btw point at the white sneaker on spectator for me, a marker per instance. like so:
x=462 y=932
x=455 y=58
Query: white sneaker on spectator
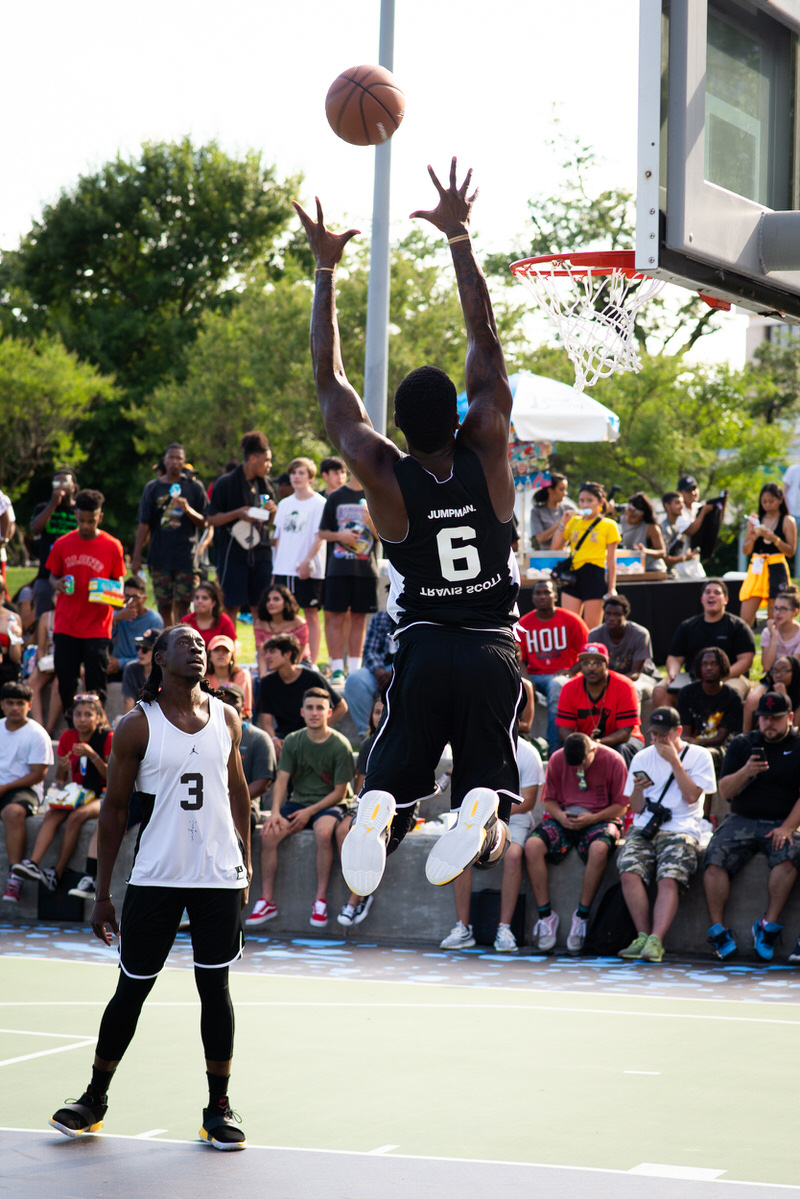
x=362 y=907
x=364 y=847
x=545 y=932
x=85 y=889
x=577 y=933
x=505 y=941
x=460 y=938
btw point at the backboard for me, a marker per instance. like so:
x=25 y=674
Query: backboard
x=718 y=192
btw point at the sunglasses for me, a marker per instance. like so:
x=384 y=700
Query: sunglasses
x=87 y=698
x=144 y=649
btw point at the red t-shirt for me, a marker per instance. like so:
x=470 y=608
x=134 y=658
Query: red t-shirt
x=71 y=737
x=617 y=707
x=551 y=646
x=223 y=628
x=100 y=558
x=605 y=781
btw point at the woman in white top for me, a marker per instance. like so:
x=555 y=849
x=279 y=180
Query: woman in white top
x=781 y=636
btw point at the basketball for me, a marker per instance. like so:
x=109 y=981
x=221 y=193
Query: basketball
x=364 y=105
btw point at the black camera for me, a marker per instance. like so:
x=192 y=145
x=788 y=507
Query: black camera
x=660 y=814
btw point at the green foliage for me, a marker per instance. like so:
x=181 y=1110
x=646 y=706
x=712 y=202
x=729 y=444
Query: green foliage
x=45 y=396
x=772 y=381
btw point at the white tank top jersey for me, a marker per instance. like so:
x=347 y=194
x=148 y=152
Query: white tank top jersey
x=187 y=837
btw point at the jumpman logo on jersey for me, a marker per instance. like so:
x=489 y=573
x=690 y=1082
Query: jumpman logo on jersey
x=193 y=750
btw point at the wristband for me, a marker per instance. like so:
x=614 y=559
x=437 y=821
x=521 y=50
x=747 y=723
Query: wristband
x=451 y=241
x=103 y=900
x=324 y=268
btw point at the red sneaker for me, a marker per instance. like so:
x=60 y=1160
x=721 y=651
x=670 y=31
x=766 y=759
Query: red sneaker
x=264 y=910
x=319 y=914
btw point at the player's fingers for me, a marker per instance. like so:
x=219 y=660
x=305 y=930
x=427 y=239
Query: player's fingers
x=320 y=220
x=435 y=179
x=453 y=182
x=465 y=184
x=471 y=199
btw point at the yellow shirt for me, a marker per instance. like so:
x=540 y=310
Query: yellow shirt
x=594 y=547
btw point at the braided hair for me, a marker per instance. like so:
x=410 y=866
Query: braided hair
x=153 y=682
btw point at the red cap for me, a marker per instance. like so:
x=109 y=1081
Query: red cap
x=594 y=649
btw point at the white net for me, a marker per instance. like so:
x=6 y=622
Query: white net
x=594 y=314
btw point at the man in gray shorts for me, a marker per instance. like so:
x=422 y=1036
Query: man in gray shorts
x=666 y=783
x=761 y=780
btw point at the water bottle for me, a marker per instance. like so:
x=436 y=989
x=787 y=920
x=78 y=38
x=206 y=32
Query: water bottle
x=175 y=513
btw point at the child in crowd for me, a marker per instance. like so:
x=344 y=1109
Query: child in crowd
x=279 y=612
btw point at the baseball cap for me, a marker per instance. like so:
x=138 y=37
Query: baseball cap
x=233 y=689
x=686 y=482
x=664 y=718
x=773 y=704
x=221 y=640
x=148 y=639
x=593 y=649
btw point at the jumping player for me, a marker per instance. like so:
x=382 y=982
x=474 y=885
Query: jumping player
x=443 y=512
x=180 y=748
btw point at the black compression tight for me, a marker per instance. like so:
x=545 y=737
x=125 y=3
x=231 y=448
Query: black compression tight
x=121 y=1016
x=216 y=1013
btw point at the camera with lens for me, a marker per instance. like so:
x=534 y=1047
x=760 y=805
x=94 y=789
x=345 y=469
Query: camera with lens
x=660 y=814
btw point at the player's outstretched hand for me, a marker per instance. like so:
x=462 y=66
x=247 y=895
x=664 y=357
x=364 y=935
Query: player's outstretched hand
x=326 y=246
x=452 y=213
x=104 y=921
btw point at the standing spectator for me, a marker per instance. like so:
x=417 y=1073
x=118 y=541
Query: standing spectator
x=769 y=540
x=50 y=521
x=791 y=490
x=334 y=474
x=372 y=679
x=8 y=527
x=278 y=612
x=640 y=531
x=592 y=540
x=630 y=650
x=171 y=514
x=44 y=674
x=82 y=628
x=207 y=617
x=25 y=754
x=130 y=623
x=351 y=575
x=602 y=704
x=666 y=785
x=10 y=639
x=299 y=557
x=584 y=801
x=714 y=626
x=550 y=508
x=135 y=673
x=244 y=551
x=681 y=560
x=694 y=513
x=550 y=639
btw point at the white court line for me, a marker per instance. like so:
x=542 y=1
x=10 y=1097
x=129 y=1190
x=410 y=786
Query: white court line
x=151 y=1132
x=24 y=1032
x=420 y=1157
x=27 y=1057
x=381 y=1149
x=689 y=1173
x=641 y=1071
x=509 y=1009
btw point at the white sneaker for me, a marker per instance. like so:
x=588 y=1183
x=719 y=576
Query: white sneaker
x=362 y=907
x=460 y=938
x=466 y=840
x=577 y=934
x=364 y=847
x=346 y=915
x=85 y=889
x=505 y=941
x=545 y=933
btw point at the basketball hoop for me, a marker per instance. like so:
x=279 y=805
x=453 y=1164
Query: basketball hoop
x=592 y=301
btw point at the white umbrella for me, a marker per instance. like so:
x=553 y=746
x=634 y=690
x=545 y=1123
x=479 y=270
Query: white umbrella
x=546 y=410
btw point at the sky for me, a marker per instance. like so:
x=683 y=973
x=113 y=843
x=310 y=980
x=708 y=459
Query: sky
x=488 y=82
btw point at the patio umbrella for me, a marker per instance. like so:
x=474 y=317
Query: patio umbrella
x=546 y=410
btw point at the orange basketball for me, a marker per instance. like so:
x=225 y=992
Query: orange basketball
x=364 y=105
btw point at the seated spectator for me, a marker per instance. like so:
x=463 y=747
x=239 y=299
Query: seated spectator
x=781 y=634
x=783 y=677
x=666 y=784
x=549 y=639
x=10 y=639
x=630 y=650
x=135 y=673
x=207 y=617
x=357 y=906
x=256 y=750
x=520 y=825
x=280 y=695
x=710 y=711
x=222 y=668
x=584 y=801
x=681 y=560
x=714 y=626
x=278 y=612
x=761 y=781
x=25 y=754
x=44 y=673
x=640 y=531
x=550 y=508
x=318 y=762
x=374 y=675
x=129 y=623
x=83 y=752
x=601 y=703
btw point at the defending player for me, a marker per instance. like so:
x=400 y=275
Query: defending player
x=443 y=512
x=179 y=747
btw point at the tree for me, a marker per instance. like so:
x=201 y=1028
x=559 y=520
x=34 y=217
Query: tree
x=45 y=395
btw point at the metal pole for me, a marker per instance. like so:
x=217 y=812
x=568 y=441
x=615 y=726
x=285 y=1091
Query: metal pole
x=376 y=362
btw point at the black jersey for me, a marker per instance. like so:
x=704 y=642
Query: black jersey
x=455 y=565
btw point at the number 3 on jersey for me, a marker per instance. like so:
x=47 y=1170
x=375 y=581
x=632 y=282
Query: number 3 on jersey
x=458 y=561
x=194 y=782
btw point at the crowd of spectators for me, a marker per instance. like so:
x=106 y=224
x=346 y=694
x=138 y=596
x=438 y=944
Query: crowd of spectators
x=633 y=755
